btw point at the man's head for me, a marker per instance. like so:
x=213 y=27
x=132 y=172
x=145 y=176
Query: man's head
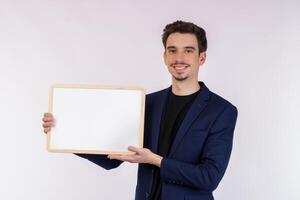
x=185 y=49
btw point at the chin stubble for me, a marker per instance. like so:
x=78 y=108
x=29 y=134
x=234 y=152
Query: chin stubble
x=180 y=78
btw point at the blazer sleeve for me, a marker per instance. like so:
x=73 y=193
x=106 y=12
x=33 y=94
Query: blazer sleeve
x=101 y=160
x=206 y=174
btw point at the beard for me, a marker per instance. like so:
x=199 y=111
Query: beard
x=180 y=78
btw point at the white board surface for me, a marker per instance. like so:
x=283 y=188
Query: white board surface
x=96 y=119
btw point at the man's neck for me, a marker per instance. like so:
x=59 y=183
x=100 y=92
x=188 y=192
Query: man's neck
x=186 y=87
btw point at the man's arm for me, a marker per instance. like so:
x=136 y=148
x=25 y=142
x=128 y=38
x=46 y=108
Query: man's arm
x=215 y=157
x=101 y=160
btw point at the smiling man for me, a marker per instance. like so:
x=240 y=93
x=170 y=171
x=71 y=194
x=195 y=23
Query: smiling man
x=182 y=56
x=188 y=129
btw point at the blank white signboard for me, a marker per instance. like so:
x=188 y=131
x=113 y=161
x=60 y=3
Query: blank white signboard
x=96 y=119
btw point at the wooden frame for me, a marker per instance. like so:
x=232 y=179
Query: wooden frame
x=61 y=139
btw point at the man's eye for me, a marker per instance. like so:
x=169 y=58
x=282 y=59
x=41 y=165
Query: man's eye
x=189 y=51
x=172 y=51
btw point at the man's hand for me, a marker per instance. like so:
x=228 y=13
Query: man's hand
x=141 y=155
x=48 y=120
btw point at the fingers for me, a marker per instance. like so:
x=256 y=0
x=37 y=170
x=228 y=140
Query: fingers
x=128 y=158
x=47 y=124
x=135 y=149
x=46 y=130
x=117 y=157
x=48 y=115
x=48 y=120
x=138 y=155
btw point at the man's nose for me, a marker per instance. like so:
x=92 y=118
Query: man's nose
x=179 y=57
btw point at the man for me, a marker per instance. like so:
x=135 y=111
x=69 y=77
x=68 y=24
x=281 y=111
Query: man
x=188 y=129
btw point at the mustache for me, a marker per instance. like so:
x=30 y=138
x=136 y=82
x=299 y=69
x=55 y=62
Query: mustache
x=179 y=63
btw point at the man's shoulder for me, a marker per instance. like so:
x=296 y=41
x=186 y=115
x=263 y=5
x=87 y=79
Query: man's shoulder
x=152 y=97
x=156 y=93
x=218 y=101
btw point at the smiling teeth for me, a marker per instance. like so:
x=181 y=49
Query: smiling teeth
x=180 y=67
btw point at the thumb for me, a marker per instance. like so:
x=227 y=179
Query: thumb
x=135 y=149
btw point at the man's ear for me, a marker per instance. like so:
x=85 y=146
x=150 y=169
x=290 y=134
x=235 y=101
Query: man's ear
x=202 y=58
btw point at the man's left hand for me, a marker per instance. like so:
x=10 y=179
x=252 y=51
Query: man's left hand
x=140 y=155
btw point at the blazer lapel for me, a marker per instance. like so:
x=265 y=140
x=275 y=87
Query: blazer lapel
x=157 y=114
x=197 y=106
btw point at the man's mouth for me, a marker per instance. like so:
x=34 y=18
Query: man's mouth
x=180 y=67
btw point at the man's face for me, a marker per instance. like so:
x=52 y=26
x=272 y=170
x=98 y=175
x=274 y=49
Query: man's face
x=182 y=56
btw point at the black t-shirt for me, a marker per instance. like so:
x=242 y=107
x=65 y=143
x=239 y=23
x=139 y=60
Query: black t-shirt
x=174 y=112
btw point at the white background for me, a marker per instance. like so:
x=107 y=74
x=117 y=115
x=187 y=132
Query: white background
x=253 y=61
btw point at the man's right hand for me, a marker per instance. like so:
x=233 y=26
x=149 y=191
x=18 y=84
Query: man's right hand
x=48 y=120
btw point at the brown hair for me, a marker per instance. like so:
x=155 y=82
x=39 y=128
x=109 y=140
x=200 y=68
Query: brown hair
x=186 y=27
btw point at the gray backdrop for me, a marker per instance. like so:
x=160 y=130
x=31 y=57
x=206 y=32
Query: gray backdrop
x=252 y=60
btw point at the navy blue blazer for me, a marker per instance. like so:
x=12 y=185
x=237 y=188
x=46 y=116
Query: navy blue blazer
x=200 y=151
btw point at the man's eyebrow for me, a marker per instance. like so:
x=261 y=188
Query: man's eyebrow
x=190 y=47
x=171 y=47
x=187 y=47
